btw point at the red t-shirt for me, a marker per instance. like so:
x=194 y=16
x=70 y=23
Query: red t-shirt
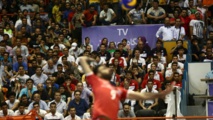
x=156 y=84
x=107 y=97
x=179 y=84
x=186 y=22
x=159 y=75
x=121 y=62
x=72 y=86
x=89 y=15
x=133 y=85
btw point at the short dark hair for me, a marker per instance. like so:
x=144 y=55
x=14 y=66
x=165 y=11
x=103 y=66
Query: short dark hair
x=21 y=104
x=3 y=104
x=151 y=71
x=35 y=103
x=77 y=91
x=52 y=103
x=126 y=104
x=174 y=63
x=30 y=80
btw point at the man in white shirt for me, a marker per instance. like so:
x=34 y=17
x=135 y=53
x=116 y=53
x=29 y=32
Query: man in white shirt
x=56 y=42
x=72 y=115
x=69 y=57
x=61 y=105
x=107 y=15
x=169 y=72
x=24 y=49
x=178 y=31
x=5 y=111
x=21 y=110
x=39 y=77
x=166 y=31
x=53 y=114
x=12 y=101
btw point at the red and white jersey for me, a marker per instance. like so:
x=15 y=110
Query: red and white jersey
x=122 y=61
x=107 y=97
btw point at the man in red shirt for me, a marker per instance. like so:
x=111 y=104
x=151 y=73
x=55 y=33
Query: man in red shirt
x=176 y=80
x=107 y=97
x=156 y=83
x=133 y=84
x=89 y=17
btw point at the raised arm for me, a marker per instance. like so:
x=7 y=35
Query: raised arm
x=84 y=64
x=148 y=96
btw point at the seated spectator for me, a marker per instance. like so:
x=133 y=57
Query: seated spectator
x=66 y=54
x=5 y=111
x=122 y=61
x=179 y=64
x=159 y=48
x=58 y=77
x=29 y=90
x=12 y=101
x=37 y=98
x=136 y=15
x=60 y=104
x=156 y=83
x=19 y=63
x=39 y=77
x=107 y=15
x=74 y=50
x=80 y=104
x=126 y=112
x=179 y=44
x=25 y=101
x=104 y=53
x=174 y=68
x=115 y=80
x=51 y=88
x=159 y=66
x=157 y=75
x=133 y=84
x=209 y=55
x=144 y=50
x=195 y=50
x=72 y=114
x=39 y=111
x=88 y=115
x=89 y=17
x=124 y=53
x=49 y=68
x=40 y=61
x=43 y=93
x=111 y=48
x=65 y=95
x=137 y=60
x=156 y=14
x=70 y=87
x=18 y=52
x=181 y=56
x=176 y=79
x=126 y=47
x=149 y=104
x=21 y=110
x=86 y=94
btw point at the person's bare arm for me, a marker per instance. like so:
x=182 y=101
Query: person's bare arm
x=148 y=96
x=84 y=64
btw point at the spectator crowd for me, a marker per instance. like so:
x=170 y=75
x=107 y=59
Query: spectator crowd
x=40 y=46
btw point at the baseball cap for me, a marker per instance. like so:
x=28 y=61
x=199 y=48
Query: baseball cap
x=73 y=46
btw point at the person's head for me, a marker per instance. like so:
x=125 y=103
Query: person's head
x=77 y=94
x=11 y=97
x=79 y=86
x=112 y=45
x=105 y=7
x=57 y=96
x=126 y=108
x=179 y=43
x=153 y=67
x=4 y=106
x=150 y=84
x=36 y=97
x=137 y=52
x=24 y=98
x=36 y=105
x=176 y=76
x=200 y=3
x=29 y=83
x=140 y=44
x=87 y=40
x=116 y=62
x=191 y=3
x=120 y=47
x=88 y=48
x=60 y=68
x=184 y=13
x=181 y=51
x=65 y=51
x=174 y=66
x=72 y=111
x=159 y=43
x=117 y=54
x=19 y=59
x=38 y=70
x=104 y=41
x=175 y=58
x=79 y=7
x=40 y=87
x=128 y=75
x=151 y=74
x=24 y=21
x=50 y=52
x=177 y=22
x=86 y=53
x=61 y=89
x=103 y=72
x=21 y=107
x=167 y=21
x=39 y=57
x=91 y=8
x=155 y=4
x=197 y=15
x=48 y=83
x=102 y=47
x=209 y=43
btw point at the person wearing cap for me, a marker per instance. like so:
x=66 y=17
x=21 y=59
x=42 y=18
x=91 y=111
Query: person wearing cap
x=74 y=50
x=197 y=28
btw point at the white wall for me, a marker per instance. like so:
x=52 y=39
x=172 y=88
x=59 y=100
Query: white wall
x=197 y=71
